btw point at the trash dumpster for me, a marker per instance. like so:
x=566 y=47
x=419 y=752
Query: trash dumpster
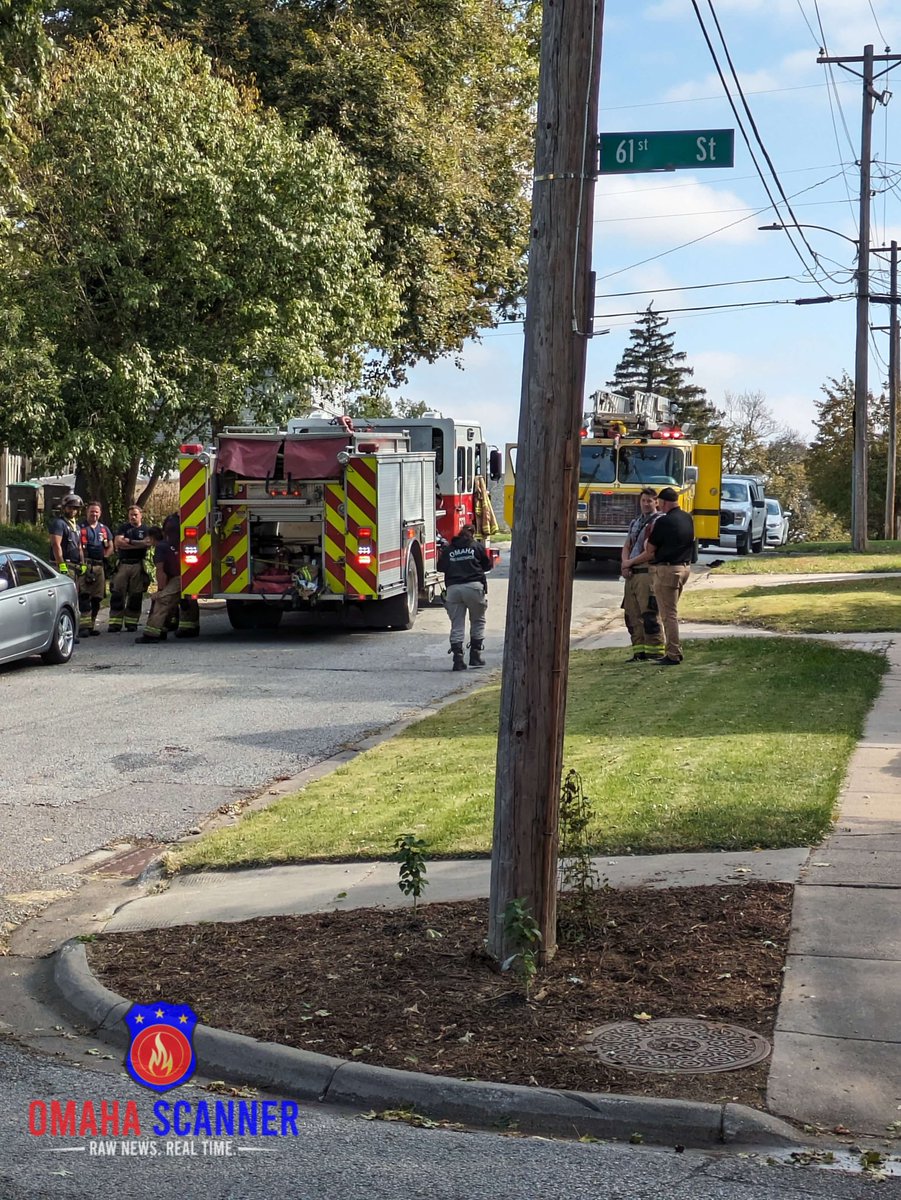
x=23 y=503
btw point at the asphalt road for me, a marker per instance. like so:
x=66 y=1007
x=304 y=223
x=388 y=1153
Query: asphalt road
x=338 y=1157
x=131 y=742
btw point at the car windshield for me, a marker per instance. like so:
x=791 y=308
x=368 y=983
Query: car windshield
x=772 y=507
x=661 y=465
x=736 y=492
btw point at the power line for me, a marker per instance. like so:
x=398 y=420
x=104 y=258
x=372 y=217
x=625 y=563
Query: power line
x=701 y=238
x=756 y=133
x=694 y=287
x=697 y=308
x=803 y=87
x=707 y=212
x=878 y=27
x=733 y=179
x=744 y=134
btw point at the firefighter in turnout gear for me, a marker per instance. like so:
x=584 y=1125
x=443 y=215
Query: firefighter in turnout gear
x=465 y=562
x=132 y=579
x=65 y=543
x=639 y=603
x=164 y=605
x=96 y=547
x=185 y=621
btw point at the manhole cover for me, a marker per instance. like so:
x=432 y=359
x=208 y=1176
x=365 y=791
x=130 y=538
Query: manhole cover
x=676 y=1044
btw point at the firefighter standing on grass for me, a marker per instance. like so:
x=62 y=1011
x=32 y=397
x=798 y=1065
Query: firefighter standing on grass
x=96 y=546
x=132 y=579
x=639 y=603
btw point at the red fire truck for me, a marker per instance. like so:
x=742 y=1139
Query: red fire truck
x=328 y=514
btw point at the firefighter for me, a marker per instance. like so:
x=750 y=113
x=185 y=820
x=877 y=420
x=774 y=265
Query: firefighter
x=131 y=579
x=96 y=547
x=164 y=605
x=639 y=603
x=465 y=562
x=65 y=542
x=185 y=622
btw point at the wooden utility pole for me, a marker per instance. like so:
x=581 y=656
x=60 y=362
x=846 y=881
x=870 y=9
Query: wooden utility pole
x=539 y=602
x=893 y=370
x=862 y=349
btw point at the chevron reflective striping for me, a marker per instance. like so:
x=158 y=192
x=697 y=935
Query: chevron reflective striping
x=333 y=539
x=194 y=507
x=361 y=579
x=235 y=544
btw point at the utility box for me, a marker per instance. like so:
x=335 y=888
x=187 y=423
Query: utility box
x=23 y=503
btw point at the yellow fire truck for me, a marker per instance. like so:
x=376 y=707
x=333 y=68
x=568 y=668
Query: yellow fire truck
x=629 y=443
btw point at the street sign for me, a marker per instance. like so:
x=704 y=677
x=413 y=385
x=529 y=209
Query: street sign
x=625 y=153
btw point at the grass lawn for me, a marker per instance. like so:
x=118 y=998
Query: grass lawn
x=807 y=558
x=855 y=606
x=734 y=750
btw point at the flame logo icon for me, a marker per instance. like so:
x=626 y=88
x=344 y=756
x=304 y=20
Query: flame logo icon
x=161 y=1056
x=160 y=1060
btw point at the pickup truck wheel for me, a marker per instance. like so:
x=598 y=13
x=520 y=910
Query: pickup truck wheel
x=741 y=543
x=758 y=547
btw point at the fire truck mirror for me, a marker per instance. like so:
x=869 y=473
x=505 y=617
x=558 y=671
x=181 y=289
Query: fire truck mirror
x=495 y=464
x=691 y=474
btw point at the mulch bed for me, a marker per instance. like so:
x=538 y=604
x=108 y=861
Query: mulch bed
x=417 y=992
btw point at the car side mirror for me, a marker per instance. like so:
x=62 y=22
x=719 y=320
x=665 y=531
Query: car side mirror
x=758 y=503
x=787 y=513
x=495 y=465
x=691 y=474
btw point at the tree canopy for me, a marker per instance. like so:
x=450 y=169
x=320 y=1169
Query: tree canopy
x=433 y=99
x=183 y=258
x=829 y=463
x=651 y=363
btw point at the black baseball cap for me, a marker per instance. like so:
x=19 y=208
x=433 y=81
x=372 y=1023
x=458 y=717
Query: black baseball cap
x=668 y=494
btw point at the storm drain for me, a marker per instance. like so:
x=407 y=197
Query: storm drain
x=677 y=1045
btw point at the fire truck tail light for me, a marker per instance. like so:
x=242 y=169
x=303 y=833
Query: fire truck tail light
x=190 y=533
x=191 y=557
x=364 y=546
x=191 y=448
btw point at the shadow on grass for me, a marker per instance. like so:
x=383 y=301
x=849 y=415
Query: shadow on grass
x=725 y=686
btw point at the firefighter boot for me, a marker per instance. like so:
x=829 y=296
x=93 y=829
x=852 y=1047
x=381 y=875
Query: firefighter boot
x=475 y=654
x=459 y=661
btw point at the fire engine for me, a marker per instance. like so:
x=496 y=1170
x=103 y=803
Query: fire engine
x=327 y=514
x=631 y=442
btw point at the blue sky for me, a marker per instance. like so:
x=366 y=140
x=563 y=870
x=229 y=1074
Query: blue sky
x=657 y=74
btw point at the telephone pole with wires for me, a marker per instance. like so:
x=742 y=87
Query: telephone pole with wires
x=539 y=600
x=894 y=387
x=871 y=97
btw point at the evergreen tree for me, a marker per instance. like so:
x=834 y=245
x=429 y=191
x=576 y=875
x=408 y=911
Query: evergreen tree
x=650 y=363
x=829 y=459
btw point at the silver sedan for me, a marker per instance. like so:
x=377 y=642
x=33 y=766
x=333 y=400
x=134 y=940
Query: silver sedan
x=38 y=609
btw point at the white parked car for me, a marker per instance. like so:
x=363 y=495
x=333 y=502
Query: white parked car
x=38 y=609
x=776 y=523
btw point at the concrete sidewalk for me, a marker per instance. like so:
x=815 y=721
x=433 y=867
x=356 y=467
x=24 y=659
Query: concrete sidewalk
x=837 y=1048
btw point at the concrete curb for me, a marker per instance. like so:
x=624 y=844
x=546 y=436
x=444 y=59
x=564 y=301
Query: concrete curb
x=316 y=1077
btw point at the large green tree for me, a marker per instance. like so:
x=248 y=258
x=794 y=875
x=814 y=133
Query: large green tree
x=829 y=461
x=434 y=98
x=651 y=363
x=184 y=259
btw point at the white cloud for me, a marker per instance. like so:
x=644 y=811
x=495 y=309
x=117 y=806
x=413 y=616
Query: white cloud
x=651 y=212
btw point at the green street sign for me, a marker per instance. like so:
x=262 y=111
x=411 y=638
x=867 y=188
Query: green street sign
x=625 y=153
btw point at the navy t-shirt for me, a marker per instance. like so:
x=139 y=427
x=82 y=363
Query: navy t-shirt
x=134 y=533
